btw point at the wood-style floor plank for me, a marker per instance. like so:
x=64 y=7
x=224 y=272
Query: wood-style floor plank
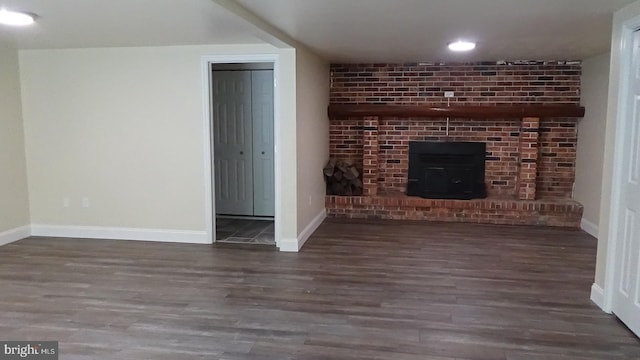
x=358 y=290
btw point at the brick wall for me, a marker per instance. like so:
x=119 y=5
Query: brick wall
x=473 y=84
x=557 y=157
x=345 y=139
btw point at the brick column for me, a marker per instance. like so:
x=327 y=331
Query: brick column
x=528 y=158
x=370 y=156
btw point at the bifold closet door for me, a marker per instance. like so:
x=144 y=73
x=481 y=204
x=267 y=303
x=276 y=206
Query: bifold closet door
x=233 y=144
x=263 y=162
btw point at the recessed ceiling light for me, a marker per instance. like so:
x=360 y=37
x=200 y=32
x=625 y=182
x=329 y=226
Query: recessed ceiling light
x=15 y=18
x=461 y=45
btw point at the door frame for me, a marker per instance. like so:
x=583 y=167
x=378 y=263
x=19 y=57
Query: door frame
x=207 y=93
x=622 y=58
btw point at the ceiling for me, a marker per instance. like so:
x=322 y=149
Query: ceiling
x=419 y=30
x=112 y=23
x=339 y=30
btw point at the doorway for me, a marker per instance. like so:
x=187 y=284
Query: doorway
x=242 y=133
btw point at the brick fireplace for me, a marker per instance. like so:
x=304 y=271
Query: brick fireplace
x=378 y=109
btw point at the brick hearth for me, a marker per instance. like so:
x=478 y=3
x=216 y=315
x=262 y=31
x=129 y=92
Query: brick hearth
x=530 y=159
x=397 y=206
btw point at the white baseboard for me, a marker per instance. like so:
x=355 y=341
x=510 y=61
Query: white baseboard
x=589 y=227
x=9 y=236
x=597 y=296
x=311 y=228
x=98 y=232
x=294 y=245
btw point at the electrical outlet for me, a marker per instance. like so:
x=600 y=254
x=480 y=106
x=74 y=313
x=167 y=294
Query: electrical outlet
x=449 y=94
x=85 y=202
x=66 y=202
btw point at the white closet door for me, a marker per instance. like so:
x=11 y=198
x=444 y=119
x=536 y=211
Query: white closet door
x=263 y=165
x=233 y=149
x=626 y=304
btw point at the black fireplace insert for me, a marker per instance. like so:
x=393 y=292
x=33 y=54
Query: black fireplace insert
x=447 y=170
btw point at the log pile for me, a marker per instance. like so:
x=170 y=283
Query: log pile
x=343 y=178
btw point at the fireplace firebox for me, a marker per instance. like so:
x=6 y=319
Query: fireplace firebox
x=447 y=170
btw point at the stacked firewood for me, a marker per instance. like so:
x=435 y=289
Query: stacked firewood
x=343 y=178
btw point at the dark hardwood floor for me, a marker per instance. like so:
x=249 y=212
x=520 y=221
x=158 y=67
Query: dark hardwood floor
x=358 y=290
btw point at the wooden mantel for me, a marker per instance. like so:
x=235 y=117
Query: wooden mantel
x=476 y=112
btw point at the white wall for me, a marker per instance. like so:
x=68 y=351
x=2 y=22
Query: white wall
x=313 y=136
x=14 y=202
x=123 y=127
x=591 y=129
x=287 y=153
x=621 y=16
